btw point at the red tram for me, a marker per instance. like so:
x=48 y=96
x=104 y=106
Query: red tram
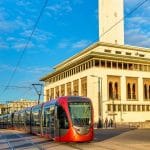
x=66 y=119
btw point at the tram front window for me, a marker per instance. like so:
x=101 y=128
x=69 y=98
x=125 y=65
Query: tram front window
x=80 y=113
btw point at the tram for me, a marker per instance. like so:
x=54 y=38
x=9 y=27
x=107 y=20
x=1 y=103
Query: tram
x=65 y=119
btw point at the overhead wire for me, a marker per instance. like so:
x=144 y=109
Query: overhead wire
x=16 y=86
x=25 y=48
x=41 y=12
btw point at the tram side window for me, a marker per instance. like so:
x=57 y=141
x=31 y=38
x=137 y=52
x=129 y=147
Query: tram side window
x=62 y=117
x=27 y=118
x=32 y=119
x=46 y=119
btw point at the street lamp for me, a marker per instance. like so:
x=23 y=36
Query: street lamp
x=100 y=107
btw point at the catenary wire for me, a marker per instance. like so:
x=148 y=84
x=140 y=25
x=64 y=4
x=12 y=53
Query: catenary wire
x=25 y=48
x=46 y=1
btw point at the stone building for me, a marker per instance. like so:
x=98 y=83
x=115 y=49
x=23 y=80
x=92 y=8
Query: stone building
x=115 y=76
x=12 y=106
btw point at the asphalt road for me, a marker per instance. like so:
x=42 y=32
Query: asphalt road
x=105 y=139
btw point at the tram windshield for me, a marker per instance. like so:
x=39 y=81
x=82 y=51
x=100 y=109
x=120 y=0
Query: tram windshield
x=80 y=113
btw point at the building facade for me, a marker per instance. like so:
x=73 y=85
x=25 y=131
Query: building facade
x=115 y=77
x=13 y=106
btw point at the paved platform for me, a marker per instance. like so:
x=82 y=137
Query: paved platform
x=105 y=139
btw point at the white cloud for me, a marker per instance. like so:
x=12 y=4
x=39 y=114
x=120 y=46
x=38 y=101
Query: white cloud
x=59 y=9
x=137 y=37
x=78 y=2
x=69 y=44
x=3 y=44
x=63 y=45
x=39 y=35
x=20 y=46
x=81 y=44
x=32 y=70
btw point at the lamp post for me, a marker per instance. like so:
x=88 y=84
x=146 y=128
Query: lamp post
x=100 y=107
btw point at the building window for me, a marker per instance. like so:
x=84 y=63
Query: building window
x=76 y=87
x=138 y=107
x=114 y=107
x=145 y=92
x=129 y=91
x=129 y=107
x=147 y=108
x=116 y=91
x=120 y=65
x=143 y=107
x=133 y=91
x=132 y=84
x=136 y=66
x=102 y=63
x=109 y=64
x=113 y=87
x=145 y=67
x=118 y=52
x=57 y=92
x=52 y=93
x=69 y=89
x=97 y=63
x=47 y=95
x=146 y=88
x=134 y=107
x=119 y=107
x=109 y=107
x=149 y=92
x=84 y=86
x=127 y=53
x=107 y=51
x=140 y=67
x=130 y=66
x=110 y=90
x=124 y=108
x=125 y=66
x=114 y=64
x=63 y=90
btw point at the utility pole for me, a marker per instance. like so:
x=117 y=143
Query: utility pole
x=100 y=103
x=38 y=89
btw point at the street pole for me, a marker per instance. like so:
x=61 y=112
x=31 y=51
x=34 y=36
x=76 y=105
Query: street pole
x=100 y=107
x=39 y=92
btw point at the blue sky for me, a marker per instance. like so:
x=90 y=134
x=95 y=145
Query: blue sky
x=65 y=28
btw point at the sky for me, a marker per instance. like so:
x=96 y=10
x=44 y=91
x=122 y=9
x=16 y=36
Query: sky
x=65 y=28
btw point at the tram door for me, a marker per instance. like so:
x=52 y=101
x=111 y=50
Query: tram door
x=52 y=121
x=57 y=126
x=61 y=122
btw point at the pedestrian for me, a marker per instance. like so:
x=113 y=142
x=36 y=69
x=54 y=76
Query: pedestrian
x=106 y=122
x=111 y=123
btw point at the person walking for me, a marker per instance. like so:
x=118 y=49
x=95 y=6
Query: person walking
x=110 y=123
x=106 y=123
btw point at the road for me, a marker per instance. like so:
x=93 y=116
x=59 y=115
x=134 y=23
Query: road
x=105 y=139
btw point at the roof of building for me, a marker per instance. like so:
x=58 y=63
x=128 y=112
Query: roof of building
x=90 y=50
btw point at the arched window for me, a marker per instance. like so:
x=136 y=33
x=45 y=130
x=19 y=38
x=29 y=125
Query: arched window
x=133 y=91
x=116 y=90
x=149 y=91
x=110 y=90
x=145 y=91
x=129 y=91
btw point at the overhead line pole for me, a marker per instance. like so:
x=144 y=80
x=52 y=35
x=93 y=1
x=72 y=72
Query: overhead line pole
x=39 y=92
